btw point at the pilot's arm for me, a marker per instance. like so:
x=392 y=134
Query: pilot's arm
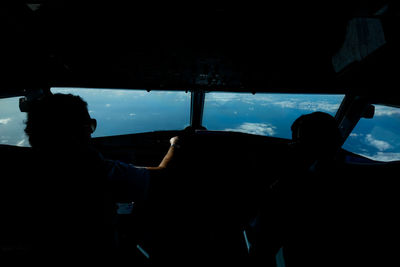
x=168 y=157
x=132 y=183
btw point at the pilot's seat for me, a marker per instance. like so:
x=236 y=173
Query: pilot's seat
x=49 y=206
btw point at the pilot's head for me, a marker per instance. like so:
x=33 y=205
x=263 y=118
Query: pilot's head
x=316 y=135
x=59 y=121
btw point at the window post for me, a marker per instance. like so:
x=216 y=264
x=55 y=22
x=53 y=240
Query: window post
x=196 y=108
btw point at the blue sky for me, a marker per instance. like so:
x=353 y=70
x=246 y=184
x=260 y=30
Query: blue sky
x=123 y=112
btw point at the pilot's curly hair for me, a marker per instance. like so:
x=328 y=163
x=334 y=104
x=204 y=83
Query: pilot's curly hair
x=56 y=119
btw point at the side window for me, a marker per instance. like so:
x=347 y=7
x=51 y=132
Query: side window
x=377 y=138
x=12 y=123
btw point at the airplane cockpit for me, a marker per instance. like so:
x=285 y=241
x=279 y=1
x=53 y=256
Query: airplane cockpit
x=229 y=80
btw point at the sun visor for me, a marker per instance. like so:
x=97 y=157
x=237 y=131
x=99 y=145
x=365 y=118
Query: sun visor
x=363 y=36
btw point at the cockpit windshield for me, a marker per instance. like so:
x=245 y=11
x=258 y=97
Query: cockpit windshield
x=120 y=112
x=263 y=114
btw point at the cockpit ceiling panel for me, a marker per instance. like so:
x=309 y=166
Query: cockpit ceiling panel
x=236 y=47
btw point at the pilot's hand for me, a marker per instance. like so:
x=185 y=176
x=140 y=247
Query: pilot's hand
x=174 y=141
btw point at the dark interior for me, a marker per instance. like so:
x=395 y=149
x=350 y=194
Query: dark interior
x=198 y=213
x=200 y=210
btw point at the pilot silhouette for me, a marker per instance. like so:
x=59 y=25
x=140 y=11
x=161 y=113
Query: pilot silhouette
x=79 y=187
x=316 y=136
x=298 y=210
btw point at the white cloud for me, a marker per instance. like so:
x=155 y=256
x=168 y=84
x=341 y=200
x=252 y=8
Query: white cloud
x=318 y=106
x=5 y=121
x=247 y=101
x=307 y=105
x=379 y=144
x=117 y=93
x=255 y=128
x=132 y=114
x=21 y=143
x=356 y=135
x=108 y=105
x=223 y=97
x=384 y=156
x=386 y=111
x=286 y=104
x=265 y=98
